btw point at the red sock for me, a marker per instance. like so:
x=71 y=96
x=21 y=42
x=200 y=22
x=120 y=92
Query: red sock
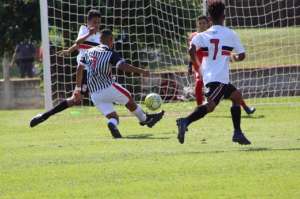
x=198 y=91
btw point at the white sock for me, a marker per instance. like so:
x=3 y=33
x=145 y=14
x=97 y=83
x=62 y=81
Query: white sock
x=139 y=113
x=114 y=121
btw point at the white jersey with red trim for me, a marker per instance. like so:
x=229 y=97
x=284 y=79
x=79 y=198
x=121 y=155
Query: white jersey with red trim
x=91 y=41
x=216 y=45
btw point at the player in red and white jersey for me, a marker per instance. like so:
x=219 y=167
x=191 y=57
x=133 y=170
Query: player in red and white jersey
x=217 y=44
x=203 y=24
x=88 y=37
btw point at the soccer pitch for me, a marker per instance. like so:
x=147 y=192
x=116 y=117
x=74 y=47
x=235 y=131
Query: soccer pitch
x=72 y=155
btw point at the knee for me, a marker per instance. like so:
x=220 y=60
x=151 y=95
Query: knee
x=236 y=97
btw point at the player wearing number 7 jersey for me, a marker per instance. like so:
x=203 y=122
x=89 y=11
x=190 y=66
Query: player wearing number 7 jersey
x=216 y=45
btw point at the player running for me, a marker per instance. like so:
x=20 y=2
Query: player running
x=216 y=45
x=88 y=37
x=203 y=24
x=104 y=91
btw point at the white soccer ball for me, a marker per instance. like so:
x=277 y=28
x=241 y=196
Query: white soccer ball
x=153 y=101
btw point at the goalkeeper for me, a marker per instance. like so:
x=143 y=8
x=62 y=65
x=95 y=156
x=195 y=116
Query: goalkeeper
x=88 y=36
x=203 y=24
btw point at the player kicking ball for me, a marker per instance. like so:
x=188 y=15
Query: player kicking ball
x=203 y=24
x=216 y=44
x=104 y=91
x=88 y=37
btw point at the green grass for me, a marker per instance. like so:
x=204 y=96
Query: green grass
x=73 y=156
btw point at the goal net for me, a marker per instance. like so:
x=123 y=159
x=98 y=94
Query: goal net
x=153 y=34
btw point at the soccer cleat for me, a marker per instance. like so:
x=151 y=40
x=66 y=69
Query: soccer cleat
x=240 y=138
x=39 y=118
x=249 y=110
x=114 y=130
x=182 y=128
x=152 y=119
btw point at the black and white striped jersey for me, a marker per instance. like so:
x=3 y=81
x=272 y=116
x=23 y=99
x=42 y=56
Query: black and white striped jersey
x=99 y=61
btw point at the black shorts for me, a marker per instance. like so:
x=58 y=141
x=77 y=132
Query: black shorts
x=84 y=88
x=216 y=91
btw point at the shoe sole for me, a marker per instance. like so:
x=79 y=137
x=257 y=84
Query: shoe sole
x=180 y=135
x=161 y=114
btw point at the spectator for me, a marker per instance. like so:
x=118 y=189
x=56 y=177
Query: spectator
x=24 y=57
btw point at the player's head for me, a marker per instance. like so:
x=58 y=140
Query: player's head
x=94 y=18
x=202 y=23
x=106 y=37
x=216 y=10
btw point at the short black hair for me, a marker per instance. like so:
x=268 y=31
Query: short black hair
x=216 y=10
x=93 y=13
x=106 y=33
x=201 y=17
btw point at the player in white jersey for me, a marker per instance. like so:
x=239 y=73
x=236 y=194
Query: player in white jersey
x=216 y=45
x=104 y=91
x=88 y=37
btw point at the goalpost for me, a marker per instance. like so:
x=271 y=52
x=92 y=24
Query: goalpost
x=153 y=34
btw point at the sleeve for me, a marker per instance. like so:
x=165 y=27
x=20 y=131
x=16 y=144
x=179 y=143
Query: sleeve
x=116 y=59
x=197 y=41
x=237 y=45
x=82 y=31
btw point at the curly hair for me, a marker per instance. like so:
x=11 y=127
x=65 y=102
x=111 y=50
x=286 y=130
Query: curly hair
x=216 y=10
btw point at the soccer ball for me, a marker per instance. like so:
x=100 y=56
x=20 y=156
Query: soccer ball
x=153 y=101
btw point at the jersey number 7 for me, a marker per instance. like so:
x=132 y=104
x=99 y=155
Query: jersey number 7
x=216 y=43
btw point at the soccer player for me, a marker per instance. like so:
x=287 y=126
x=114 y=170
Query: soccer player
x=216 y=44
x=203 y=24
x=88 y=36
x=104 y=91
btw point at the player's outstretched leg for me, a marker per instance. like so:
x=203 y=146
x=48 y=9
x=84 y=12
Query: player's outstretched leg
x=145 y=119
x=112 y=124
x=235 y=110
x=58 y=108
x=249 y=110
x=183 y=123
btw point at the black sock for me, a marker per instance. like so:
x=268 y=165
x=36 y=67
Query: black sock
x=199 y=112
x=60 y=107
x=236 y=117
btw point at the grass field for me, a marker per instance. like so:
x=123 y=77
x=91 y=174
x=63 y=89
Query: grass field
x=73 y=156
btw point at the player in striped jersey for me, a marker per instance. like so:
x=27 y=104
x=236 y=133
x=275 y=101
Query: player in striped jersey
x=104 y=91
x=203 y=24
x=216 y=45
x=88 y=37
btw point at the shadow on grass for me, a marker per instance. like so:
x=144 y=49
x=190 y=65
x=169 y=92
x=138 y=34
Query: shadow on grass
x=243 y=116
x=259 y=149
x=145 y=136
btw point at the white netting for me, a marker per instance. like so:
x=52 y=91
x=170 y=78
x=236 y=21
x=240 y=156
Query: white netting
x=152 y=34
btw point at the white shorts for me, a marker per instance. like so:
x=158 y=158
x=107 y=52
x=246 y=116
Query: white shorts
x=104 y=99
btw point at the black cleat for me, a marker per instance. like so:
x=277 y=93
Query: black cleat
x=152 y=119
x=37 y=119
x=114 y=130
x=240 y=138
x=182 y=128
x=249 y=110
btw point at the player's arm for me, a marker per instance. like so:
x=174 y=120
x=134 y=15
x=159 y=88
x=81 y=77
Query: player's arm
x=69 y=50
x=240 y=54
x=121 y=64
x=82 y=37
x=192 y=52
x=132 y=69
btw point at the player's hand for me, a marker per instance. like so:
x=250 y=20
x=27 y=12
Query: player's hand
x=63 y=53
x=92 y=30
